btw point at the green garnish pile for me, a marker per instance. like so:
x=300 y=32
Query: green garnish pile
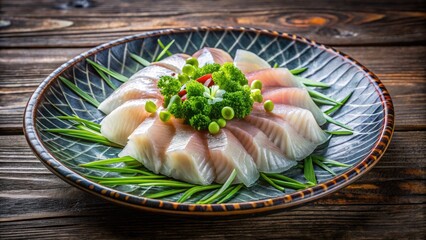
x=206 y=97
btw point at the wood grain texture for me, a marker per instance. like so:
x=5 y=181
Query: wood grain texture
x=34 y=201
x=22 y=70
x=31 y=24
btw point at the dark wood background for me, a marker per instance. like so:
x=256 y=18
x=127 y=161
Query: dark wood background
x=386 y=36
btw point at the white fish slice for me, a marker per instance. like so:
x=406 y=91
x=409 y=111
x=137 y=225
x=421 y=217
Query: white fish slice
x=300 y=119
x=275 y=77
x=187 y=157
x=153 y=72
x=149 y=141
x=212 y=55
x=174 y=62
x=121 y=122
x=266 y=155
x=293 y=145
x=298 y=97
x=248 y=62
x=227 y=154
x=140 y=88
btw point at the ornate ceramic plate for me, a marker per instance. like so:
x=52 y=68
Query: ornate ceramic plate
x=369 y=111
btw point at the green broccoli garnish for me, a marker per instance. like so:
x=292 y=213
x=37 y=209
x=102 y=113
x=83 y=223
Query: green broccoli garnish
x=200 y=121
x=229 y=78
x=168 y=86
x=195 y=105
x=240 y=101
x=206 y=69
x=194 y=88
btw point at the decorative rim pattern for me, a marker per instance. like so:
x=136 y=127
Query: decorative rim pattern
x=281 y=202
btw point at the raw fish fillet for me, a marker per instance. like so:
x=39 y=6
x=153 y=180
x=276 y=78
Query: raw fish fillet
x=187 y=157
x=138 y=88
x=212 y=55
x=120 y=123
x=300 y=119
x=275 y=77
x=153 y=72
x=298 y=97
x=149 y=141
x=293 y=145
x=267 y=157
x=248 y=62
x=174 y=62
x=227 y=154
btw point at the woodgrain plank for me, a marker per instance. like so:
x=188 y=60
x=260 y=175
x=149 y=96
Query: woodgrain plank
x=46 y=24
x=21 y=70
x=37 y=203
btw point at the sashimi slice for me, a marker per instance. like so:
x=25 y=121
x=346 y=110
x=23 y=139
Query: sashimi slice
x=153 y=72
x=298 y=97
x=174 y=62
x=293 y=145
x=187 y=157
x=227 y=154
x=248 y=62
x=121 y=122
x=140 y=88
x=149 y=141
x=300 y=119
x=267 y=157
x=212 y=55
x=275 y=77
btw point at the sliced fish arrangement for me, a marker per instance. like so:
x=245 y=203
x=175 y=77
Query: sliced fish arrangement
x=198 y=118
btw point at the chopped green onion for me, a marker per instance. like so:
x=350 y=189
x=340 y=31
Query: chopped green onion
x=323 y=101
x=222 y=189
x=214 y=128
x=196 y=189
x=108 y=161
x=316 y=94
x=80 y=92
x=335 y=108
x=189 y=70
x=126 y=170
x=227 y=113
x=89 y=124
x=330 y=162
x=221 y=122
x=275 y=65
x=331 y=120
x=267 y=179
x=165 y=193
x=105 y=78
x=309 y=171
x=256 y=84
x=298 y=70
x=282 y=177
x=140 y=60
x=165 y=49
x=323 y=166
x=83 y=135
x=150 y=107
x=192 y=61
x=340 y=133
x=268 y=106
x=311 y=83
x=289 y=184
x=113 y=74
x=165 y=116
x=230 y=194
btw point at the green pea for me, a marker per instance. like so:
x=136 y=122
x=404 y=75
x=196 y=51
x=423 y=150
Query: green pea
x=227 y=113
x=192 y=61
x=189 y=70
x=246 y=88
x=256 y=95
x=221 y=122
x=183 y=78
x=268 y=106
x=214 y=128
x=150 y=107
x=256 y=84
x=165 y=116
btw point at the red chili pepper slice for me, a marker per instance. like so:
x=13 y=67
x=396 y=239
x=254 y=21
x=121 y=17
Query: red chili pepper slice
x=182 y=92
x=204 y=78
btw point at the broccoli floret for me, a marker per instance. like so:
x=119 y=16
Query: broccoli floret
x=194 y=88
x=206 y=69
x=168 y=86
x=216 y=111
x=229 y=78
x=176 y=110
x=200 y=121
x=240 y=101
x=195 y=105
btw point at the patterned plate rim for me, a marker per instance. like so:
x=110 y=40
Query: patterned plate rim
x=154 y=205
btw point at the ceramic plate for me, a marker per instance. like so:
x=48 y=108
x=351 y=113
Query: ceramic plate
x=369 y=111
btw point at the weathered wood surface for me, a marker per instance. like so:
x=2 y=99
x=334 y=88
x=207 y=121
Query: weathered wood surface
x=386 y=36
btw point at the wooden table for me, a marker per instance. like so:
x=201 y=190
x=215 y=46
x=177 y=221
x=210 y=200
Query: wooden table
x=386 y=36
